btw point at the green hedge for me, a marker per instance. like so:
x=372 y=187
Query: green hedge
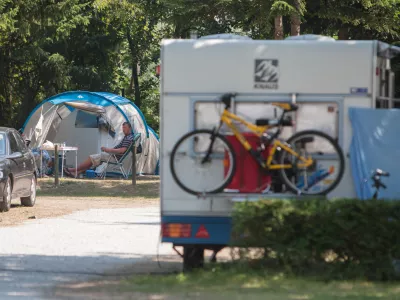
x=341 y=238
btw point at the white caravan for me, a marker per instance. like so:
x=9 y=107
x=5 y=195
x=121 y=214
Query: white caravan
x=323 y=76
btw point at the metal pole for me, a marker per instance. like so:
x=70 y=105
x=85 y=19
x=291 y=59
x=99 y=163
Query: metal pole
x=41 y=163
x=134 y=164
x=62 y=163
x=56 y=180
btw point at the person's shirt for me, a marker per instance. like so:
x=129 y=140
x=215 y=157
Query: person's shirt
x=125 y=143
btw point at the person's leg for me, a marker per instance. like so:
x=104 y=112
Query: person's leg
x=104 y=156
x=92 y=160
x=82 y=167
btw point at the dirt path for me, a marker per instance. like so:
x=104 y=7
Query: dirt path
x=50 y=207
x=70 y=248
x=76 y=195
x=93 y=244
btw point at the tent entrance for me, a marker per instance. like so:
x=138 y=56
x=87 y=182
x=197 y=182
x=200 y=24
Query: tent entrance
x=90 y=120
x=85 y=130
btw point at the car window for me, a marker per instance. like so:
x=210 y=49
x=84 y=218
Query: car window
x=13 y=144
x=2 y=144
x=20 y=142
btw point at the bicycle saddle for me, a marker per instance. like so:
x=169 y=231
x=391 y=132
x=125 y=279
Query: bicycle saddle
x=306 y=140
x=226 y=99
x=274 y=122
x=287 y=107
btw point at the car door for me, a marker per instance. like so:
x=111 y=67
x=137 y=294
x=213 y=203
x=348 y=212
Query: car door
x=16 y=165
x=27 y=165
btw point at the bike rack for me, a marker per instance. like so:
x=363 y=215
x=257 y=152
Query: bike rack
x=240 y=197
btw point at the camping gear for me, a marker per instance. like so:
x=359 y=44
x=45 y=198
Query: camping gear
x=91 y=120
x=90 y=174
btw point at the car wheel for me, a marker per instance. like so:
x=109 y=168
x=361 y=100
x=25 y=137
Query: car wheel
x=30 y=201
x=5 y=205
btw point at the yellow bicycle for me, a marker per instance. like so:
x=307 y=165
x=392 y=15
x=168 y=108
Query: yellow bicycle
x=310 y=162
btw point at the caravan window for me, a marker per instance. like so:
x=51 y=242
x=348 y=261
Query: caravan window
x=207 y=114
x=321 y=116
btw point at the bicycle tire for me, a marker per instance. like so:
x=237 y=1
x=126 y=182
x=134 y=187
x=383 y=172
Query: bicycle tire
x=229 y=175
x=339 y=151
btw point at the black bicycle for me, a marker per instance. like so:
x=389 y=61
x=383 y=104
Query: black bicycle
x=376 y=178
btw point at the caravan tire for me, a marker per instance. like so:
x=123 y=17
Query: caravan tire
x=229 y=150
x=193 y=258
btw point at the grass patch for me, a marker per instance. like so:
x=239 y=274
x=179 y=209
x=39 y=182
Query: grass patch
x=231 y=281
x=146 y=188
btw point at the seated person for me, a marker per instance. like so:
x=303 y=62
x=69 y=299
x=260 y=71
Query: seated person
x=47 y=162
x=95 y=160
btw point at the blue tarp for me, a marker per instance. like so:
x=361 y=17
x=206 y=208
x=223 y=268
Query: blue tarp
x=375 y=144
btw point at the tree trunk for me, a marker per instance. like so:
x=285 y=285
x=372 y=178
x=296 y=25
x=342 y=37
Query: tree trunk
x=131 y=81
x=279 y=28
x=343 y=33
x=135 y=74
x=177 y=30
x=135 y=77
x=7 y=90
x=9 y=104
x=295 y=20
x=27 y=103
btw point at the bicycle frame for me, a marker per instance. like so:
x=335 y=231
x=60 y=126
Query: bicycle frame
x=227 y=117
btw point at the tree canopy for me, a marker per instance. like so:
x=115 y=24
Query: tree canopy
x=51 y=46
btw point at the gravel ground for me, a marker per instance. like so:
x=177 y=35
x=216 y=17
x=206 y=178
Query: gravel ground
x=40 y=256
x=75 y=195
x=51 y=206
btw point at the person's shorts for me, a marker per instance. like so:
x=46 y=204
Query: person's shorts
x=98 y=158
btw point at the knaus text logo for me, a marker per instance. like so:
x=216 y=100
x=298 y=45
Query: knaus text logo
x=266 y=74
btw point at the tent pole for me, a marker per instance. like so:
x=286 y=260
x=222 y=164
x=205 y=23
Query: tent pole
x=133 y=164
x=56 y=179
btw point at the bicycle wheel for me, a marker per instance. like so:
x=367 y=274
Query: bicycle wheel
x=326 y=171
x=191 y=173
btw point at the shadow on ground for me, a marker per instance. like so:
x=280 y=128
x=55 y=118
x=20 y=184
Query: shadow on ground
x=146 y=188
x=73 y=277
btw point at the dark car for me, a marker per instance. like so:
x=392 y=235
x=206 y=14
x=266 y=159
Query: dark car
x=17 y=170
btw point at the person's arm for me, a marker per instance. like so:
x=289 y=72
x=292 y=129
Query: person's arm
x=120 y=148
x=115 y=151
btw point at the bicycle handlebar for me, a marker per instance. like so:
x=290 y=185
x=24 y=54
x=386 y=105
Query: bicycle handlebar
x=379 y=172
x=376 y=177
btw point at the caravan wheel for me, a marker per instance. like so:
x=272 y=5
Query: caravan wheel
x=193 y=257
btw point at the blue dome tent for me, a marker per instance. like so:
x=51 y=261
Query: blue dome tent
x=90 y=120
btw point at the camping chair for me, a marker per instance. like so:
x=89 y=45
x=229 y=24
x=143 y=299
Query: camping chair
x=119 y=162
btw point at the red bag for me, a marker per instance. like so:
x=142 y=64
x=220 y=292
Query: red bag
x=248 y=177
